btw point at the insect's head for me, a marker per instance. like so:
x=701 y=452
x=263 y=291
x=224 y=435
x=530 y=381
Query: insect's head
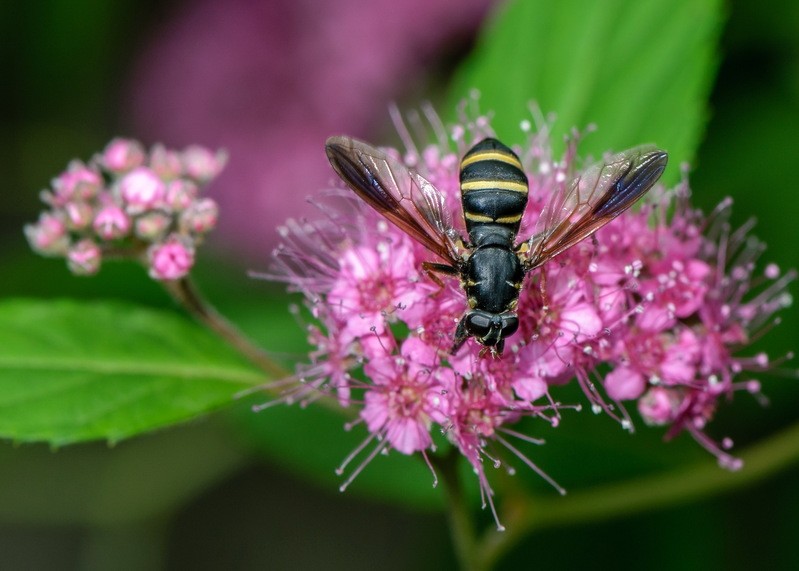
x=490 y=329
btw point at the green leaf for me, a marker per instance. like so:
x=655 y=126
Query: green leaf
x=640 y=71
x=73 y=371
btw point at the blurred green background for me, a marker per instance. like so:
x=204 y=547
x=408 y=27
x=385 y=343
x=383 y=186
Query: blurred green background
x=203 y=496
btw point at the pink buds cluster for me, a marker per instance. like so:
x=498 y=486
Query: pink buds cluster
x=127 y=202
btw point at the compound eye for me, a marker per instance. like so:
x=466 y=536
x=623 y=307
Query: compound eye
x=478 y=323
x=510 y=323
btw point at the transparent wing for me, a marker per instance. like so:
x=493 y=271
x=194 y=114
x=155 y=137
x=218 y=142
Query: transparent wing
x=401 y=195
x=594 y=198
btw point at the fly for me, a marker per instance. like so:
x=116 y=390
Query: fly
x=492 y=264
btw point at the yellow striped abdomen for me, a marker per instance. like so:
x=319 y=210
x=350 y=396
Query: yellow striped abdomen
x=493 y=192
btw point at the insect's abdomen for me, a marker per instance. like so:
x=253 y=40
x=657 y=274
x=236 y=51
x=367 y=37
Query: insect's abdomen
x=493 y=192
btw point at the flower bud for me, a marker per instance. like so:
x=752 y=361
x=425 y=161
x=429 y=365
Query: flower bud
x=172 y=259
x=122 y=155
x=152 y=226
x=129 y=196
x=78 y=182
x=200 y=217
x=659 y=406
x=49 y=235
x=79 y=215
x=180 y=193
x=165 y=162
x=142 y=190
x=111 y=223
x=83 y=259
x=201 y=164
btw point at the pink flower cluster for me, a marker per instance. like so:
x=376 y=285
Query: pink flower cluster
x=127 y=202
x=664 y=298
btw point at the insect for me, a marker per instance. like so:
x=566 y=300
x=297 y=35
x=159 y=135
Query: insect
x=491 y=265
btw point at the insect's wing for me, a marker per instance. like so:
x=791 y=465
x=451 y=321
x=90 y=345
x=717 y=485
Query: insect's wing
x=401 y=195
x=593 y=199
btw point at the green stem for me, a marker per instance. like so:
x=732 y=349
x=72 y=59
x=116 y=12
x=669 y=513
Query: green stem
x=701 y=480
x=461 y=525
x=187 y=295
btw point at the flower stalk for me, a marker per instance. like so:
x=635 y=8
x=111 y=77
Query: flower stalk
x=189 y=297
x=459 y=513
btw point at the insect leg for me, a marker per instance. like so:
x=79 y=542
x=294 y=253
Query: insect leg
x=431 y=268
x=461 y=335
x=542 y=287
x=495 y=350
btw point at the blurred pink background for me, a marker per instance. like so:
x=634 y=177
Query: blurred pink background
x=270 y=81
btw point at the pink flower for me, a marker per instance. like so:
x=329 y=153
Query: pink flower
x=650 y=299
x=200 y=216
x=84 y=258
x=201 y=164
x=375 y=282
x=78 y=182
x=696 y=308
x=166 y=163
x=659 y=406
x=122 y=155
x=152 y=226
x=679 y=365
x=478 y=427
x=141 y=189
x=49 y=235
x=78 y=215
x=408 y=395
x=625 y=383
x=111 y=222
x=180 y=194
x=678 y=289
x=170 y=260
x=663 y=358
